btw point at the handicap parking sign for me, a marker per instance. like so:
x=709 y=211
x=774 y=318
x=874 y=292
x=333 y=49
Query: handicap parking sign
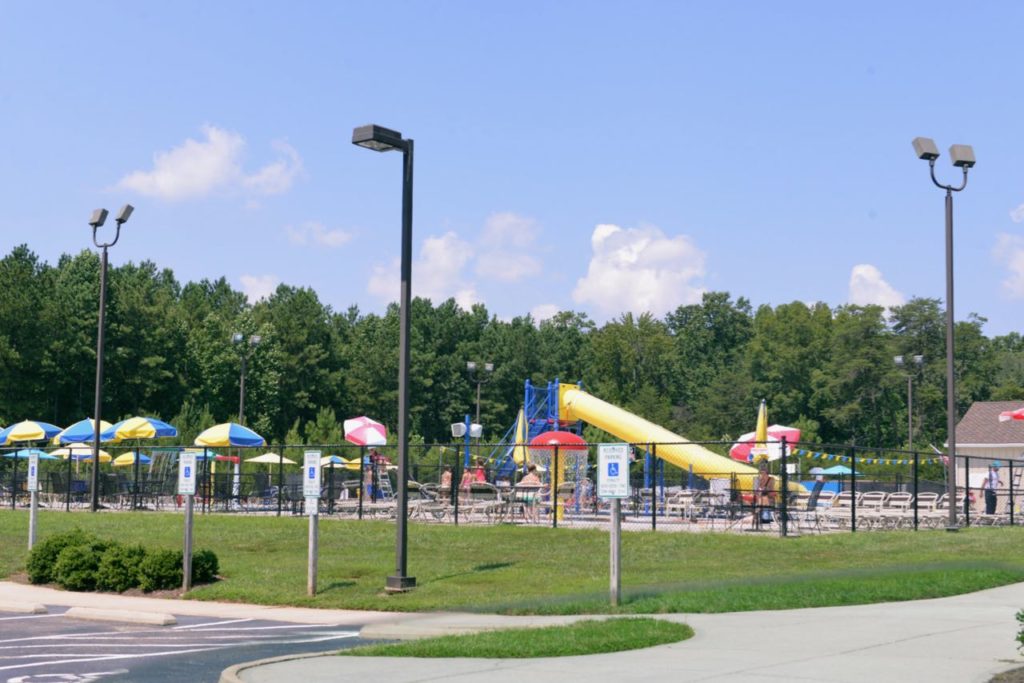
x=613 y=470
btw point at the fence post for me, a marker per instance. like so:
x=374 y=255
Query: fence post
x=915 y=489
x=653 y=450
x=554 y=490
x=853 y=489
x=1011 y=493
x=967 y=491
x=280 y=480
x=784 y=524
x=67 y=488
x=457 y=485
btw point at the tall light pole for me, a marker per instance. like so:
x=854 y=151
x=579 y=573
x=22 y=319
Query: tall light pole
x=99 y=217
x=480 y=378
x=245 y=351
x=962 y=157
x=382 y=139
x=918 y=363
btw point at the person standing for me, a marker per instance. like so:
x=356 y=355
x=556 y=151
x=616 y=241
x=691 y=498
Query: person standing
x=990 y=485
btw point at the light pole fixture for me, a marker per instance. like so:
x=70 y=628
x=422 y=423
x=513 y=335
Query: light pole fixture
x=245 y=351
x=99 y=217
x=918 y=363
x=381 y=139
x=962 y=157
x=481 y=374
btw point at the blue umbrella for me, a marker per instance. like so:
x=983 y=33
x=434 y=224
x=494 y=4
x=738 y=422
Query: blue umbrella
x=839 y=469
x=26 y=452
x=83 y=431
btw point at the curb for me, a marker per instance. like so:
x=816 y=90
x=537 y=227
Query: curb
x=22 y=607
x=232 y=674
x=123 y=616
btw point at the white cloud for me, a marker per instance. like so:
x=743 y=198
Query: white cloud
x=258 y=287
x=199 y=168
x=505 y=246
x=312 y=233
x=436 y=273
x=1009 y=252
x=1017 y=215
x=544 y=312
x=640 y=270
x=867 y=286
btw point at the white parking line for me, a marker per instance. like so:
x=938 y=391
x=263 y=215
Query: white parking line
x=211 y=623
x=31 y=616
x=108 y=657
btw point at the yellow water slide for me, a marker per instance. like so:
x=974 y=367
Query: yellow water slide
x=576 y=404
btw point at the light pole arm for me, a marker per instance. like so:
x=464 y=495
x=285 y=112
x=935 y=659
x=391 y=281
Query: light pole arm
x=947 y=188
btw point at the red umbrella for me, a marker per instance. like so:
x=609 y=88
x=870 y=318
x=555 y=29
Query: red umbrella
x=741 y=449
x=365 y=432
x=1008 y=415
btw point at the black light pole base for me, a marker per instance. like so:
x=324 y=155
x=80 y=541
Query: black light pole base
x=400 y=584
x=952 y=529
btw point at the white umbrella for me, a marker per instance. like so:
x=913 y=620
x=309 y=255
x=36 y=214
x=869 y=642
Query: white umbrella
x=272 y=459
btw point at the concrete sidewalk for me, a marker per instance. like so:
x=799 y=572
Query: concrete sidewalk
x=963 y=638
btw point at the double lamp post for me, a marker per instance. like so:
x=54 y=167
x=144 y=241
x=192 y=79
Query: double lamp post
x=962 y=157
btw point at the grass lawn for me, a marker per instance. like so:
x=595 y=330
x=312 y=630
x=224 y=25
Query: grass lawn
x=556 y=571
x=581 y=638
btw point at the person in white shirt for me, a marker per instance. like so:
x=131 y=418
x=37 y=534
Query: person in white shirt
x=989 y=486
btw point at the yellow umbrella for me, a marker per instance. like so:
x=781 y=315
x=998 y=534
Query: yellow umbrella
x=82 y=453
x=126 y=459
x=760 y=450
x=272 y=459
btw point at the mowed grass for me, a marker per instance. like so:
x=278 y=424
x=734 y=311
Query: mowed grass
x=556 y=571
x=581 y=638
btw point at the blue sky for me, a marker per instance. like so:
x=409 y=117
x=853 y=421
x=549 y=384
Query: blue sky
x=592 y=156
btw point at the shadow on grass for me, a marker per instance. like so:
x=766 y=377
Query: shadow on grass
x=338 y=585
x=489 y=567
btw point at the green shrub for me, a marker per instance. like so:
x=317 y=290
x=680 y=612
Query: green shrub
x=160 y=570
x=119 y=568
x=204 y=566
x=1020 y=633
x=43 y=559
x=75 y=569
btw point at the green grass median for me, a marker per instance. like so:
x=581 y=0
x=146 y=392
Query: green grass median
x=556 y=571
x=581 y=638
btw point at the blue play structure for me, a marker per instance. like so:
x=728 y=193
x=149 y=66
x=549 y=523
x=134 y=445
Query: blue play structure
x=540 y=409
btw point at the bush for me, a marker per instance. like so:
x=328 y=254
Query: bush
x=160 y=570
x=75 y=569
x=42 y=560
x=204 y=566
x=1020 y=633
x=119 y=568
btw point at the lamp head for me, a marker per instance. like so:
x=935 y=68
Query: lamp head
x=99 y=217
x=378 y=138
x=237 y=338
x=458 y=429
x=124 y=214
x=918 y=361
x=925 y=148
x=471 y=366
x=898 y=360
x=489 y=367
x=255 y=340
x=962 y=156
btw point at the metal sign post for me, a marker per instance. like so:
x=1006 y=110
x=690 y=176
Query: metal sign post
x=33 y=488
x=311 y=491
x=187 y=488
x=613 y=484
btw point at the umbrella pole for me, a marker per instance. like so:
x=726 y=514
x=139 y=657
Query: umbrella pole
x=362 y=479
x=14 y=482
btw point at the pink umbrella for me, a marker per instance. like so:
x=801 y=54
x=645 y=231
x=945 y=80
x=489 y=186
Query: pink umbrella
x=741 y=449
x=365 y=432
x=1008 y=415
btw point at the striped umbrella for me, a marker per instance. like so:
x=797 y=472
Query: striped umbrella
x=29 y=430
x=1008 y=415
x=229 y=434
x=26 y=452
x=83 y=431
x=138 y=428
x=365 y=432
x=127 y=459
x=80 y=454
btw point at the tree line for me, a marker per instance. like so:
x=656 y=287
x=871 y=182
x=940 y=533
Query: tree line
x=699 y=371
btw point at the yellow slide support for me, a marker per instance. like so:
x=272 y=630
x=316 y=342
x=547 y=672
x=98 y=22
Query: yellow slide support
x=576 y=404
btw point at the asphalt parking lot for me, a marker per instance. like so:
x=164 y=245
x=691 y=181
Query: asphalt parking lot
x=51 y=647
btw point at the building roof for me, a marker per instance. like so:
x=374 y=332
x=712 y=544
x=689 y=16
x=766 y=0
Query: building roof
x=981 y=425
